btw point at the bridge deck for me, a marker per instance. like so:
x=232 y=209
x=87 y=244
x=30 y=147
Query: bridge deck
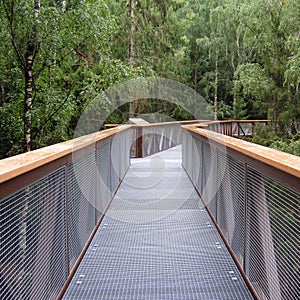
x=157 y=242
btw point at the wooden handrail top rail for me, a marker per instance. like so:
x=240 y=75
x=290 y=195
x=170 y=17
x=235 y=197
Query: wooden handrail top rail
x=201 y=123
x=237 y=121
x=280 y=160
x=170 y=123
x=14 y=166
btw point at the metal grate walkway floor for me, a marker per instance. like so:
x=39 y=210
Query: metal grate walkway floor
x=157 y=242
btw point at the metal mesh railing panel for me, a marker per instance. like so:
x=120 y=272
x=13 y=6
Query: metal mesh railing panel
x=133 y=137
x=104 y=177
x=209 y=177
x=231 y=203
x=188 y=154
x=237 y=175
x=207 y=163
x=81 y=203
x=33 y=262
x=115 y=161
x=257 y=214
x=195 y=160
x=126 y=157
x=124 y=153
x=184 y=149
x=120 y=151
x=211 y=184
x=198 y=146
x=273 y=243
x=45 y=225
x=157 y=138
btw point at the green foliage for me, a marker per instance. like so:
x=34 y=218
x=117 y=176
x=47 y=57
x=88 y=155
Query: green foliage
x=266 y=136
x=224 y=111
x=256 y=47
x=243 y=55
x=290 y=144
x=72 y=64
x=160 y=45
x=239 y=109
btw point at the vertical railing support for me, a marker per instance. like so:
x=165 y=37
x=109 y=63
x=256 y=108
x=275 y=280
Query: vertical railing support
x=246 y=223
x=253 y=128
x=139 y=142
x=97 y=182
x=265 y=232
x=67 y=217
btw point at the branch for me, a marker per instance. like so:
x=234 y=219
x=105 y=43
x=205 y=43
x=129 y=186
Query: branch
x=10 y=18
x=41 y=128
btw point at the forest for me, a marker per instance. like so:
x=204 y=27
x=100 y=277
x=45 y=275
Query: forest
x=242 y=56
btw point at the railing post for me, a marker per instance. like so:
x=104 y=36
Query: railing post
x=139 y=142
x=246 y=223
x=67 y=216
x=218 y=185
x=97 y=182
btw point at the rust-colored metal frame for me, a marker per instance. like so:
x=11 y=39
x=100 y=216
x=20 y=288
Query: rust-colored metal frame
x=226 y=127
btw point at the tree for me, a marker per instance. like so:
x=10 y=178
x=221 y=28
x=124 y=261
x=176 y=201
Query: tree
x=132 y=45
x=271 y=29
x=44 y=52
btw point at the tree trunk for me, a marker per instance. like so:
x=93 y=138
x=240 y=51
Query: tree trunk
x=216 y=88
x=2 y=89
x=28 y=98
x=132 y=47
x=29 y=61
x=132 y=33
x=236 y=67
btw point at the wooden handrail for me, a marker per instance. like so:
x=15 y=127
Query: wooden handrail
x=206 y=124
x=280 y=160
x=20 y=164
x=170 y=123
x=237 y=121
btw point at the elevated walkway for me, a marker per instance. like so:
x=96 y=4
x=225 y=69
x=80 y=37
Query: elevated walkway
x=156 y=241
x=146 y=235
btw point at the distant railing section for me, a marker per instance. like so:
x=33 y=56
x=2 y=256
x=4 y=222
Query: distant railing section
x=149 y=139
x=234 y=128
x=50 y=203
x=253 y=195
